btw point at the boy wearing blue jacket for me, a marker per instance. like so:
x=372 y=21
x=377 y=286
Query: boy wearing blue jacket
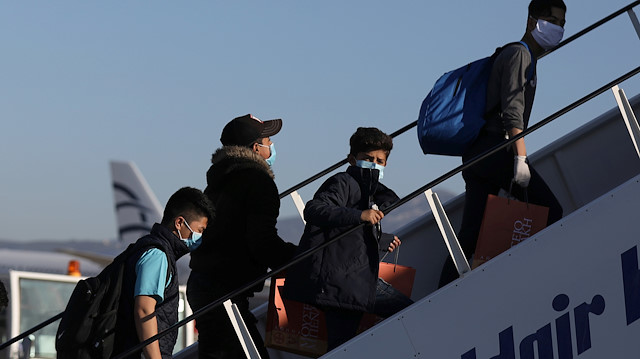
x=342 y=279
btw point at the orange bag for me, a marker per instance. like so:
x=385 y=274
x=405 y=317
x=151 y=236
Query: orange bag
x=400 y=277
x=300 y=328
x=293 y=326
x=507 y=222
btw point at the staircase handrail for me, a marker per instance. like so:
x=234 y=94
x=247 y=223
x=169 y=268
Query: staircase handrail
x=414 y=123
x=400 y=202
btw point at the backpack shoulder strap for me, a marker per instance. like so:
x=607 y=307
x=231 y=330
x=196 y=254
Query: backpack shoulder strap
x=496 y=109
x=520 y=43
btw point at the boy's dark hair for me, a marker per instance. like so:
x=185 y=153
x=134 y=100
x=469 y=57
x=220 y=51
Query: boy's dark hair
x=367 y=139
x=189 y=203
x=539 y=8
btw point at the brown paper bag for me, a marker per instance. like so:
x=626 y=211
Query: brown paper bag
x=507 y=222
x=400 y=277
x=300 y=328
x=293 y=326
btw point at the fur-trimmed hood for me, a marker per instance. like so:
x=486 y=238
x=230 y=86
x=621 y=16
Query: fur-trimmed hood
x=232 y=158
x=228 y=159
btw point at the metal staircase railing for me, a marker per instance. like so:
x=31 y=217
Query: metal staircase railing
x=627 y=9
x=391 y=208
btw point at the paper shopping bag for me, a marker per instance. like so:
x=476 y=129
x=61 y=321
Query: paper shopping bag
x=507 y=222
x=400 y=277
x=293 y=326
x=300 y=328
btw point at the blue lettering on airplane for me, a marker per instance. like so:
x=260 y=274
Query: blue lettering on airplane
x=542 y=341
x=631 y=280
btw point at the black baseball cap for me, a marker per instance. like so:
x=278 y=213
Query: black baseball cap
x=244 y=130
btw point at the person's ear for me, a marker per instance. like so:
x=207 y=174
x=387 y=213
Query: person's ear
x=351 y=159
x=531 y=24
x=255 y=147
x=178 y=222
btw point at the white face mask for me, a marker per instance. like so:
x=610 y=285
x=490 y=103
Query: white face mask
x=547 y=35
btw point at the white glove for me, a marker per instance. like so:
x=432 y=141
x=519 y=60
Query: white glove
x=521 y=174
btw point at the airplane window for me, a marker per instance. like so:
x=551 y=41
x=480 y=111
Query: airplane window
x=39 y=301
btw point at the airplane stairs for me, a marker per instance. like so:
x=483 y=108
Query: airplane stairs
x=572 y=290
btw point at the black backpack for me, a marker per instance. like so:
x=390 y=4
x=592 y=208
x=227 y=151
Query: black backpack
x=88 y=324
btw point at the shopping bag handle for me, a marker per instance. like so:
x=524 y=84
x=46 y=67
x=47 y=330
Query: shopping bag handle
x=526 y=194
x=395 y=264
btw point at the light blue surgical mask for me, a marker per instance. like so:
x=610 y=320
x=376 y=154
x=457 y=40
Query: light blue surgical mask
x=272 y=157
x=371 y=165
x=195 y=240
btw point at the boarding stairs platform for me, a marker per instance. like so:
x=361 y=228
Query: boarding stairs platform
x=570 y=291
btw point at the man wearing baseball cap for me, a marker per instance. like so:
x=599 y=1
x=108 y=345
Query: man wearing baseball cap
x=241 y=242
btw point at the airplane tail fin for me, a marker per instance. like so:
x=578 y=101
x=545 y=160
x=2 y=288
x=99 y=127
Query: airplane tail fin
x=137 y=207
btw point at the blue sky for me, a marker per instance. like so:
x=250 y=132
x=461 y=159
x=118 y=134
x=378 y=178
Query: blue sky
x=84 y=82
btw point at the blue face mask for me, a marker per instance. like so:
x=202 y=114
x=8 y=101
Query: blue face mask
x=272 y=157
x=195 y=240
x=371 y=165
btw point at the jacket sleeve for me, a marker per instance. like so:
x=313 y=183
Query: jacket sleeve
x=328 y=208
x=513 y=78
x=262 y=236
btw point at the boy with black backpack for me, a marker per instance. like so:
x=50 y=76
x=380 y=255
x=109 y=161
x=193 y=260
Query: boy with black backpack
x=136 y=296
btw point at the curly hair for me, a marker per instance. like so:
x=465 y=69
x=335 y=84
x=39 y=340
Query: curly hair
x=367 y=139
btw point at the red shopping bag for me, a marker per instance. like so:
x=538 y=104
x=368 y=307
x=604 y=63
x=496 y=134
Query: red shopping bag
x=507 y=222
x=400 y=277
x=300 y=328
x=293 y=326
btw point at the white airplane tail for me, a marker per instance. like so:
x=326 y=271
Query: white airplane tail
x=137 y=207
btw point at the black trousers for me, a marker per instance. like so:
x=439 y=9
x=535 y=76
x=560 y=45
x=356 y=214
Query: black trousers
x=216 y=336
x=488 y=177
x=343 y=324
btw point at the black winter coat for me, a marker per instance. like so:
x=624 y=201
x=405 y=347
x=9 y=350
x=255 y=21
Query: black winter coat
x=242 y=241
x=344 y=274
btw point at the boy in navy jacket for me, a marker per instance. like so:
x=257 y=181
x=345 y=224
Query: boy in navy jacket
x=342 y=279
